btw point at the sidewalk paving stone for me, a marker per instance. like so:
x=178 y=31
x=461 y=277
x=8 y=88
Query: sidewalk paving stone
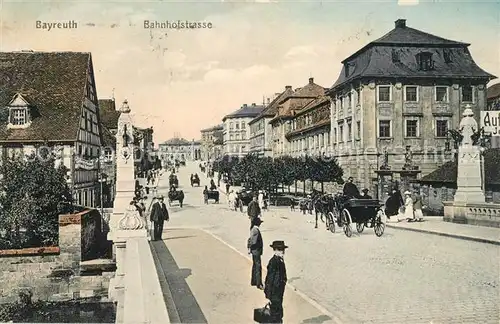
x=219 y=280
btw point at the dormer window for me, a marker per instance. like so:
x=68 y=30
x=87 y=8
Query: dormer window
x=424 y=61
x=19 y=116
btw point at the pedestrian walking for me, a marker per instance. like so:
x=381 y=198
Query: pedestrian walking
x=227 y=188
x=261 y=200
x=255 y=247
x=159 y=214
x=205 y=195
x=253 y=210
x=408 y=213
x=393 y=203
x=417 y=207
x=276 y=279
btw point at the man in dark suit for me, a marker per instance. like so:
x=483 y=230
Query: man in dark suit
x=255 y=247
x=159 y=214
x=350 y=189
x=253 y=210
x=365 y=195
x=276 y=281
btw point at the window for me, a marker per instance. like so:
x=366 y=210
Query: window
x=237 y=137
x=231 y=137
x=328 y=139
x=358 y=129
x=411 y=93
x=441 y=94
x=18 y=116
x=237 y=126
x=411 y=128
x=230 y=125
x=424 y=61
x=243 y=125
x=349 y=131
x=441 y=127
x=467 y=93
x=384 y=93
x=341 y=133
x=384 y=128
x=243 y=136
x=243 y=148
x=358 y=96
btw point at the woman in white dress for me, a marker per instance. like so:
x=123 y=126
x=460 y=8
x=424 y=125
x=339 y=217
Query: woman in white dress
x=409 y=213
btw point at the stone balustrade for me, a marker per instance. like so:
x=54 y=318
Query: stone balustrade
x=484 y=214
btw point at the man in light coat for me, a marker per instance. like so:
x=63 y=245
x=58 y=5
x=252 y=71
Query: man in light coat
x=159 y=214
x=255 y=247
x=261 y=200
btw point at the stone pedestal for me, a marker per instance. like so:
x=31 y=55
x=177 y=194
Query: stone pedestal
x=469 y=180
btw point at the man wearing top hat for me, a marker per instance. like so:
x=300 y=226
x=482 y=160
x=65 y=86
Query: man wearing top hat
x=364 y=194
x=159 y=214
x=276 y=281
x=255 y=247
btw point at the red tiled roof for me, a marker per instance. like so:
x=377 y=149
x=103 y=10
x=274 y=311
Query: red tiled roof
x=54 y=84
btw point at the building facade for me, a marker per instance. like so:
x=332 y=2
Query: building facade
x=50 y=104
x=236 y=133
x=180 y=149
x=310 y=131
x=212 y=140
x=261 y=141
x=397 y=97
x=289 y=106
x=493 y=103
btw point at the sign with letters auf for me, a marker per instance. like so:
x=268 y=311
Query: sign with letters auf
x=490 y=120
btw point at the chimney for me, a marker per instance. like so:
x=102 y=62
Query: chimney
x=288 y=87
x=277 y=94
x=253 y=104
x=400 y=23
x=311 y=80
x=244 y=105
x=268 y=101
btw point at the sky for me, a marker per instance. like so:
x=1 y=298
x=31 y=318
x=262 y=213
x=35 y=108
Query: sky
x=183 y=80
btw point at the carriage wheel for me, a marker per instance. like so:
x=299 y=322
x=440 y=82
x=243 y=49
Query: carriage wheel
x=346 y=221
x=330 y=222
x=379 y=229
x=360 y=227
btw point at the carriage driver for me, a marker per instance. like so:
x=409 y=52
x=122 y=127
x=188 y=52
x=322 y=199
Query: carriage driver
x=350 y=189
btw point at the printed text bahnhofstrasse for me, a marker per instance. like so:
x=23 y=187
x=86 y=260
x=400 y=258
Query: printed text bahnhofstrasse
x=179 y=24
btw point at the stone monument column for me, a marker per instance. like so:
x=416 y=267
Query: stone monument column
x=125 y=222
x=469 y=182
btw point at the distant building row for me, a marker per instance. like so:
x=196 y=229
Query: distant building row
x=399 y=94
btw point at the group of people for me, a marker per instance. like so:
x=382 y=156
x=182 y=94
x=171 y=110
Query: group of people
x=234 y=200
x=151 y=176
x=275 y=282
x=407 y=208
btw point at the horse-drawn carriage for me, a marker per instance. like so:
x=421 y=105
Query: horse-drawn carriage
x=212 y=194
x=195 y=180
x=343 y=211
x=175 y=195
x=173 y=181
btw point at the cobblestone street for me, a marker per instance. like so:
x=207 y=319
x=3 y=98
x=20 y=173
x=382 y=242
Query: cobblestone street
x=401 y=277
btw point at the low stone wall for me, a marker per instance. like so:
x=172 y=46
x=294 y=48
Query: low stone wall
x=483 y=214
x=51 y=273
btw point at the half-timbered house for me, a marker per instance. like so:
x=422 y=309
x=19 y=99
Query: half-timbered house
x=48 y=101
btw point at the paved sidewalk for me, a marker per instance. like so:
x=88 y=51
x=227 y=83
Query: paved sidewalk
x=209 y=282
x=436 y=225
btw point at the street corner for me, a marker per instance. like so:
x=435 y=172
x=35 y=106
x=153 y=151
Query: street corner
x=218 y=278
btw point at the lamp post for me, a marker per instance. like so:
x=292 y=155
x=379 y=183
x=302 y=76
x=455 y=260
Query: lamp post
x=102 y=178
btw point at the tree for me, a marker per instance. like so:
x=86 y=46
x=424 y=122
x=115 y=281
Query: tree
x=33 y=193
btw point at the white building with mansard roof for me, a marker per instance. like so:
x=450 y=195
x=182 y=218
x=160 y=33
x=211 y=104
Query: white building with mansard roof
x=49 y=99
